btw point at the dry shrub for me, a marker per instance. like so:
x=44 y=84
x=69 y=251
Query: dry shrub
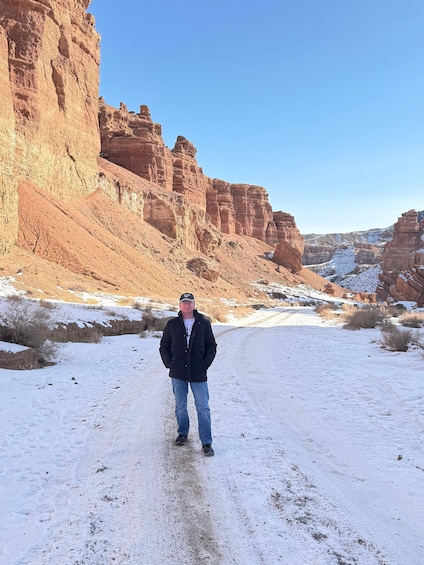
x=217 y=312
x=150 y=322
x=27 y=323
x=24 y=322
x=368 y=297
x=126 y=301
x=47 y=304
x=394 y=338
x=348 y=308
x=242 y=311
x=366 y=317
x=412 y=320
x=327 y=310
x=394 y=310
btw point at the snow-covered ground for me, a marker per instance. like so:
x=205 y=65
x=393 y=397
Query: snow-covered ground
x=318 y=434
x=341 y=264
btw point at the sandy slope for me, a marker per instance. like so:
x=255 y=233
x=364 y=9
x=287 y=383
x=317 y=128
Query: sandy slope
x=96 y=245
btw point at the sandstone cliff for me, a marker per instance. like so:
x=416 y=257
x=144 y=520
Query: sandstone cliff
x=49 y=68
x=289 y=250
x=135 y=142
x=403 y=261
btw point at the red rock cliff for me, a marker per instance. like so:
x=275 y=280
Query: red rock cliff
x=49 y=62
x=289 y=250
x=135 y=142
x=403 y=262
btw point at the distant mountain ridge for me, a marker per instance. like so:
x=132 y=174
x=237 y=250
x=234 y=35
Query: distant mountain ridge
x=375 y=236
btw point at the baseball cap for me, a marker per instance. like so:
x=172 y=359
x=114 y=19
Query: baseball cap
x=187 y=296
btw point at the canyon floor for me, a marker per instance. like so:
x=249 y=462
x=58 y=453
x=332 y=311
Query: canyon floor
x=317 y=434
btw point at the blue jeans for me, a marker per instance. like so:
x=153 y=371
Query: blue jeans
x=201 y=399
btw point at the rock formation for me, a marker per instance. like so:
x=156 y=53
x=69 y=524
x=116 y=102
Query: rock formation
x=289 y=250
x=367 y=254
x=49 y=68
x=135 y=142
x=317 y=254
x=403 y=262
x=167 y=211
x=242 y=209
x=188 y=178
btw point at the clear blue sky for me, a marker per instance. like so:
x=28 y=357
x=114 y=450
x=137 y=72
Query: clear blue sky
x=319 y=101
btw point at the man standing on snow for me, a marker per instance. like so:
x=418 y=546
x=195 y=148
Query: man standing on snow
x=188 y=348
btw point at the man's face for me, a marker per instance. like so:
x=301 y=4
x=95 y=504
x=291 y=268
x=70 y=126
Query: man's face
x=187 y=307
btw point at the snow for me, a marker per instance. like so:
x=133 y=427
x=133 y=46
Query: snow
x=342 y=263
x=7 y=287
x=367 y=281
x=340 y=268
x=11 y=347
x=318 y=435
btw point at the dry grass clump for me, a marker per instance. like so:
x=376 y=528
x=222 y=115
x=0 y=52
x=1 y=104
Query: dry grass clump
x=398 y=339
x=327 y=310
x=216 y=311
x=412 y=320
x=365 y=317
x=366 y=297
x=47 y=304
x=394 y=310
x=242 y=311
x=128 y=301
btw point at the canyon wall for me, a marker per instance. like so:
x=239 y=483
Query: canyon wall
x=49 y=61
x=133 y=141
x=53 y=128
x=8 y=183
x=403 y=262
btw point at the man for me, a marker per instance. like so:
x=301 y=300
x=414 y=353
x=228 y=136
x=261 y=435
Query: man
x=188 y=348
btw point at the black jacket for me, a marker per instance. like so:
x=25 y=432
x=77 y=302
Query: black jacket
x=188 y=363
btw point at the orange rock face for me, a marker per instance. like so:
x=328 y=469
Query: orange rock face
x=135 y=142
x=8 y=183
x=403 y=262
x=242 y=209
x=49 y=58
x=289 y=250
x=188 y=178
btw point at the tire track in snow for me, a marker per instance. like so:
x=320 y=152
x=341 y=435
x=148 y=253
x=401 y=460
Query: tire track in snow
x=288 y=501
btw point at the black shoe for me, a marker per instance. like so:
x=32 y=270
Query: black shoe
x=181 y=439
x=207 y=450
